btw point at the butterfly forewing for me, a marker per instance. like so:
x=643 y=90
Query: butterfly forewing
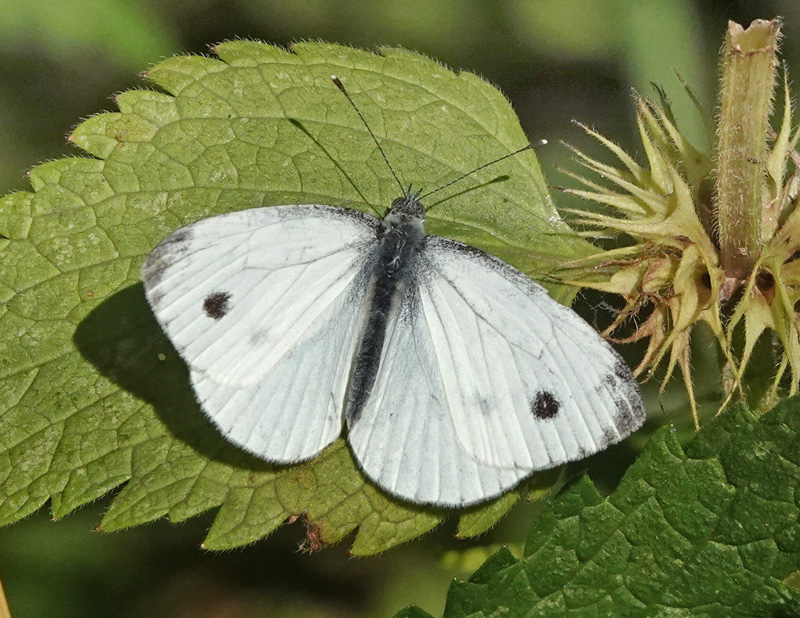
x=565 y=385
x=266 y=307
x=484 y=379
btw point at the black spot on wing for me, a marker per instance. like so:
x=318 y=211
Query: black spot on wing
x=545 y=406
x=258 y=337
x=484 y=405
x=216 y=305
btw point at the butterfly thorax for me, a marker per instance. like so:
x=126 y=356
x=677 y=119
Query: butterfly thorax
x=401 y=238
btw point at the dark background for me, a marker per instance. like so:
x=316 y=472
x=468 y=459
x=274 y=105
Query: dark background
x=557 y=60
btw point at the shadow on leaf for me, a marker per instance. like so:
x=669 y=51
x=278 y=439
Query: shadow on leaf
x=122 y=339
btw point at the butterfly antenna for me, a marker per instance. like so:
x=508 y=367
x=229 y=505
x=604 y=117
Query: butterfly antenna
x=541 y=142
x=340 y=86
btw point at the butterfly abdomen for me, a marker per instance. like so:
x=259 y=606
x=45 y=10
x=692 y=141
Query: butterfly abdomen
x=397 y=252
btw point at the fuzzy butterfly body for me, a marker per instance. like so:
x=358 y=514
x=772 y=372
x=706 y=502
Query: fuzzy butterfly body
x=455 y=375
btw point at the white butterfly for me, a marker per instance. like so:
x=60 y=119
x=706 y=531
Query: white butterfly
x=455 y=374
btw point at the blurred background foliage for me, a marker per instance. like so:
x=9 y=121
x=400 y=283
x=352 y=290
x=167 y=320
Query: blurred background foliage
x=557 y=60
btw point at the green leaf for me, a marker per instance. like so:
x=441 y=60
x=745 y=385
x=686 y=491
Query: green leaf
x=712 y=530
x=480 y=518
x=92 y=395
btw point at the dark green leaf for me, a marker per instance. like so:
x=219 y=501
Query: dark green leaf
x=712 y=530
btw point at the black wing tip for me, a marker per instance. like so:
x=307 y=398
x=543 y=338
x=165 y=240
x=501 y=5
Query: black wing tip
x=624 y=388
x=164 y=255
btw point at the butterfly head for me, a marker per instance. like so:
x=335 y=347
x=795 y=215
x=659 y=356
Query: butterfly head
x=407 y=208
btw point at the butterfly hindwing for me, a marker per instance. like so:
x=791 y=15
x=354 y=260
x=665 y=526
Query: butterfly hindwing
x=266 y=306
x=484 y=379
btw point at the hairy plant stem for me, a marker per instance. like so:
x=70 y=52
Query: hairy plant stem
x=746 y=92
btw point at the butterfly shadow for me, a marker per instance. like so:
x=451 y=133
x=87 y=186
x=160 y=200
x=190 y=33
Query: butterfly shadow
x=122 y=339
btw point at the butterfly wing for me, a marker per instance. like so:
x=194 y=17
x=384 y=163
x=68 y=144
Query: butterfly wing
x=404 y=437
x=266 y=306
x=484 y=379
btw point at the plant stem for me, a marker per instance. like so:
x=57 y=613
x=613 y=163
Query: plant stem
x=4 y=611
x=747 y=86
